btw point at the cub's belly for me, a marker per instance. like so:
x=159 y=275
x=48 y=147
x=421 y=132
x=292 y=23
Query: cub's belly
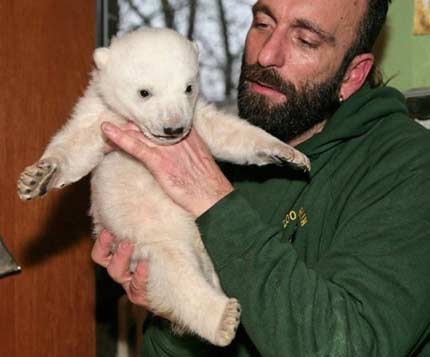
x=124 y=192
x=127 y=200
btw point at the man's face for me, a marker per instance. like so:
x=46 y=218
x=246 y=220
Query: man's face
x=291 y=73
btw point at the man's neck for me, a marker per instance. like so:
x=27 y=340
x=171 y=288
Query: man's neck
x=307 y=134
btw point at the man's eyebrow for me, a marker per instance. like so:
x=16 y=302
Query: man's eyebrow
x=310 y=26
x=262 y=8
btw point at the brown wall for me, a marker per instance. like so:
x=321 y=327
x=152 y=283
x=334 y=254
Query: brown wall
x=45 y=58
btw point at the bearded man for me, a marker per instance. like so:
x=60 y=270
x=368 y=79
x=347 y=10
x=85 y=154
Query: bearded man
x=331 y=264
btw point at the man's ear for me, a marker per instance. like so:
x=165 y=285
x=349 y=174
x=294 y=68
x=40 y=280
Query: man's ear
x=356 y=74
x=101 y=57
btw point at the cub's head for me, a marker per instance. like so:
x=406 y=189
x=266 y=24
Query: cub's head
x=151 y=77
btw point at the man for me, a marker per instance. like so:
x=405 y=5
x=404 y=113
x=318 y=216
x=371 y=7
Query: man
x=332 y=264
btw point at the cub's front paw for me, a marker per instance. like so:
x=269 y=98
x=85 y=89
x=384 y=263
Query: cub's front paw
x=284 y=154
x=34 y=181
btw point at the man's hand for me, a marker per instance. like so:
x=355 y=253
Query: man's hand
x=117 y=265
x=186 y=171
x=128 y=127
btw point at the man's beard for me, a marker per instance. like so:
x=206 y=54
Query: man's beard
x=302 y=110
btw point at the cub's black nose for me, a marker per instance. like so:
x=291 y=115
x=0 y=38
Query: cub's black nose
x=174 y=131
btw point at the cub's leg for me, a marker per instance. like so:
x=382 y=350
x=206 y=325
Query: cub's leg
x=235 y=140
x=206 y=263
x=72 y=153
x=177 y=287
x=129 y=203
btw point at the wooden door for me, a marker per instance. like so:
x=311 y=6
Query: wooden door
x=45 y=57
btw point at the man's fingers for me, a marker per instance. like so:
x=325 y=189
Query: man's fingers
x=130 y=126
x=125 y=141
x=109 y=147
x=119 y=266
x=137 y=287
x=141 y=137
x=101 y=252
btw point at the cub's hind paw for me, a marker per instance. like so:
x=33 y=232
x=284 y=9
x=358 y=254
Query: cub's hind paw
x=228 y=325
x=34 y=180
x=284 y=155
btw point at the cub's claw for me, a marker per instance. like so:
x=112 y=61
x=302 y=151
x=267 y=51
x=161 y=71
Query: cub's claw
x=228 y=325
x=300 y=164
x=285 y=155
x=34 y=181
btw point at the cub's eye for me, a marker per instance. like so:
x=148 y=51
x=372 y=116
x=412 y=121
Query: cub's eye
x=189 y=89
x=144 y=93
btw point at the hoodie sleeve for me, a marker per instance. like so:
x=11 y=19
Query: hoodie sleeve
x=366 y=296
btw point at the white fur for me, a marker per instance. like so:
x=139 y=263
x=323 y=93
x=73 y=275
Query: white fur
x=125 y=197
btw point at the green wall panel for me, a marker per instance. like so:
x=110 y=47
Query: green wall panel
x=401 y=54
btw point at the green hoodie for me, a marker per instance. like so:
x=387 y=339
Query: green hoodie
x=332 y=264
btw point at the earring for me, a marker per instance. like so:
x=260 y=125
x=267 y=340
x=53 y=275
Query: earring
x=340 y=98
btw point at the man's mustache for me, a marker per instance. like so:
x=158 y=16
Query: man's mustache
x=269 y=77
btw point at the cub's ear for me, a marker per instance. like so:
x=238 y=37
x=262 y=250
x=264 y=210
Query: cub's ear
x=196 y=47
x=101 y=57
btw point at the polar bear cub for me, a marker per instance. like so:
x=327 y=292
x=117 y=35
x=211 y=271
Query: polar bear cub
x=151 y=76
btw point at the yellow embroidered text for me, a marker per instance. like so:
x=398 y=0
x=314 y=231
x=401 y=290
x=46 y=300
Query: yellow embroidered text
x=292 y=216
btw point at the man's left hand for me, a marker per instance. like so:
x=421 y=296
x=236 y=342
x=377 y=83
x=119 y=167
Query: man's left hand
x=186 y=171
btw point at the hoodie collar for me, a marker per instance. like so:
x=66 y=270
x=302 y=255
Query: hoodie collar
x=356 y=116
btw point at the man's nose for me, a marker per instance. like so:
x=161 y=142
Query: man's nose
x=272 y=54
